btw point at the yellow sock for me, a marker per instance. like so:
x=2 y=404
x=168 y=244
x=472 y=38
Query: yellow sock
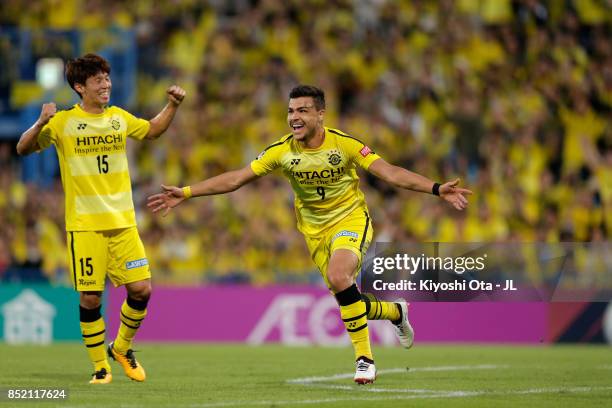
x=354 y=316
x=378 y=310
x=130 y=322
x=93 y=337
x=356 y=322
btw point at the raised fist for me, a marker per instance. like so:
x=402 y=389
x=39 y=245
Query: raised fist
x=48 y=111
x=176 y=94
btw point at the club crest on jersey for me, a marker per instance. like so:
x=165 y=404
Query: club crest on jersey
x=115 y=124
x=365 y=151
x=334 y=157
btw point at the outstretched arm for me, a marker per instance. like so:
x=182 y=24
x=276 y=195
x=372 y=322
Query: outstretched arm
x=160 y=123
x=223 y=183
x=402 y=178
x=28 y=142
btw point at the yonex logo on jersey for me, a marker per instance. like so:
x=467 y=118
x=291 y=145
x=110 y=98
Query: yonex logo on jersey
x=81 y=126
x=137 y=263
x=365 y=151
x=295 y=162
x=345 y=233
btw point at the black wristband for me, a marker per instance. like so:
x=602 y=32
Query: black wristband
x=435 y=190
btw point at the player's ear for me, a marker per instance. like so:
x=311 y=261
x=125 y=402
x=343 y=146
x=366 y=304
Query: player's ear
x=80 y=88
x=321 y=114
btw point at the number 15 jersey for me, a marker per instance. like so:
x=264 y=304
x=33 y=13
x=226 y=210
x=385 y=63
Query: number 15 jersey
x=93 y=163
x=324 y=179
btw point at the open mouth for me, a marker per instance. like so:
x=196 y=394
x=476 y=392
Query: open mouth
x=296 y=126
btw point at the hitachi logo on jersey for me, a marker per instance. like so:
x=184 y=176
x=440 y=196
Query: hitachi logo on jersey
x=95 y=140
x=323 y=174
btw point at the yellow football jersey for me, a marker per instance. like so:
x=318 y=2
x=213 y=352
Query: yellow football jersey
x=94 y=167
x=324 y=179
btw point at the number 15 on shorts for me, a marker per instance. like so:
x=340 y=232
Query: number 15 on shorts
x=86 y=266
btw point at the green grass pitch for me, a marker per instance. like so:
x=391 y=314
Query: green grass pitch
x=207 y=376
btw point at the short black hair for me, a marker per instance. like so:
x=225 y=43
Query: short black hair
x=79 y=69
x=317 y=94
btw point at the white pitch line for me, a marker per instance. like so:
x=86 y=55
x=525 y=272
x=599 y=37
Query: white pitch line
x=449 y=394
x=434 y=394
x=310 y=380
x=372 y=389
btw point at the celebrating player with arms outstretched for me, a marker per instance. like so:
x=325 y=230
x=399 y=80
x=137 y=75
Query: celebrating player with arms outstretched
x=90 y=139
x=320 y=163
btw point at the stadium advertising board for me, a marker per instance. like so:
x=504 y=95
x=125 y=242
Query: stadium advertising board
x=303 y=315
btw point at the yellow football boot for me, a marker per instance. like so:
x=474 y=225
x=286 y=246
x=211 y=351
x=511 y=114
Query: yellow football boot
x=132 y=368
x=101 y=377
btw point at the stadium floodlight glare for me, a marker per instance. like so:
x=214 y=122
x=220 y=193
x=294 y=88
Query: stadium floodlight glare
x=49 y=73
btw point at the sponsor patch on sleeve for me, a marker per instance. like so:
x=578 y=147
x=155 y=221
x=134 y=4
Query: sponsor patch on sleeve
x=365 y=151
x=136 y=263
x=345 y=233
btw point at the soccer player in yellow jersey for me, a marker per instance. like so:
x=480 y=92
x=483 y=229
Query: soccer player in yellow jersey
x=90 y=139
x=320 y=163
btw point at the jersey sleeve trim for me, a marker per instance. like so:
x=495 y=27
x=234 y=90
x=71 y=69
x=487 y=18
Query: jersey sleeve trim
x=345 y=135
x=282 y=141
x=263 y=164
x=364 y=156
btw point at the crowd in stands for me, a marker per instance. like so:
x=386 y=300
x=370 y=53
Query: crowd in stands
x=513 y=97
